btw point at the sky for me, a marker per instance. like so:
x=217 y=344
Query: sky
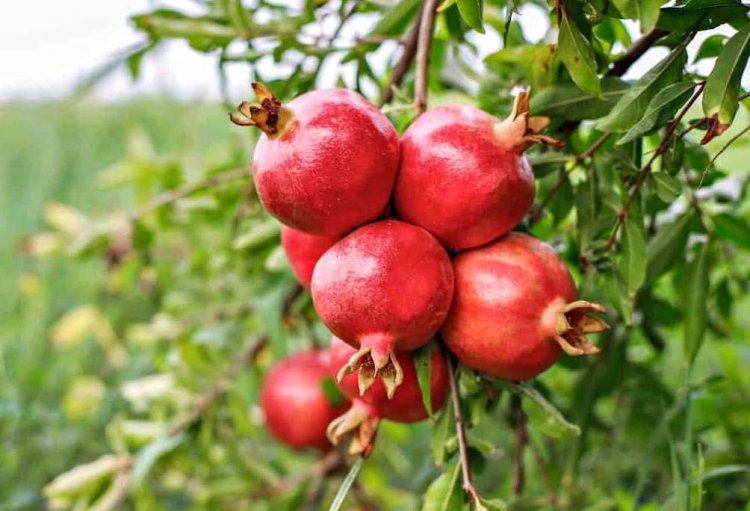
x=48 y=46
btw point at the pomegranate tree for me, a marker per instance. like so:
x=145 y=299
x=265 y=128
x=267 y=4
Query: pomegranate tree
x=303 y=250
x=463 y=173
x=404 y=405
x=386 y=287
x=515 y=310
x=326 y=162
x=296 y=409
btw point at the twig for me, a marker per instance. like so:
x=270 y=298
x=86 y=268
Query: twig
x=544 y=469
x=463 y=454
x=173 y=195
x=743 y=96
x=646 y=169
x=719 y=153
x=327 y=464
x=402 y=67
x=522 y=438
x=636 y=51
x=537 y=213
x=424 y=43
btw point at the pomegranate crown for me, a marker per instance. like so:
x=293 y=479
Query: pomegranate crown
x=574 y=322
x=520 y=130
x=268 y=114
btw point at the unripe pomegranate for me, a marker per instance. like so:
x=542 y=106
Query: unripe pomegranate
x=463 y=174
x=296 y=409
x=327 y=160
x=515 y=310
x=405 y=405
x=386 y=287
x=303 y=251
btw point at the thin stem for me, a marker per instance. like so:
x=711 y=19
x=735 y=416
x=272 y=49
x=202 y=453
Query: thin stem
x=646 y=169
x=463 y=452
x=424 y=43
x=404 y=63
x=544 y=469
x=719 y=153
x=522 y=438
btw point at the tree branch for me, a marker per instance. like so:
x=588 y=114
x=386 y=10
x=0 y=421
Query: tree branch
x=522 y=438
x=636 y=51
x=404 y=63
x=424 y=43
x=463 y=453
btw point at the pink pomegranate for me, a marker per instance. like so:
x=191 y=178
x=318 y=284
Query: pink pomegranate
x=303 y=251
x=405 y=405
x=296 y=409
x=515 y=310
x=327 y=160
x=463 y=174
x=386 y=287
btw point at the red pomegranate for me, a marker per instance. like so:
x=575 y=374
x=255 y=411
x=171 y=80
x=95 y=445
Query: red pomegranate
x=515 y=310
x=327 y=160
x=387 y=286
x=463 y=174
x=303 y=251
x=296 y=409
x=406 y=404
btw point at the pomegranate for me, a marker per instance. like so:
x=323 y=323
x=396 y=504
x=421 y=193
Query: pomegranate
x=296 y=409
x=515 y=310
x=303 y=251
x=387 y=286
x=405 y=405
x=326 y=162
x=463 y=174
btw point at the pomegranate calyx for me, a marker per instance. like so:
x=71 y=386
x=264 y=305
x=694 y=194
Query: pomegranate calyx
x=519 y=130
x=574 y=322
x=361 y=424
x=372 y=363
x=267 y=114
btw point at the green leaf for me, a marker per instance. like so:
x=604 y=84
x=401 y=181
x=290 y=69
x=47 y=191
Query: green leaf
x=645 y=11
x=668 y=187
x=331 y=392
x=723 y=84
x=346 y=485
x=493 y=505
x=732 y=228
x=471 y=12
x=442 y=430
x=711 y=47
x=423 y=366
x=576 y=53
x=661 y=109
x=444 y=493
x=149 y=455
x=571 y=103
x=667 y=246
x=701 y=15
x=631 y=107
x=695 y=304
x=633 y=263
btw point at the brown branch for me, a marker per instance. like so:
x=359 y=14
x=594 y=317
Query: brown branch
x=424 y=43
x=463 y=452
x=636 y=51
x=403 y=64
x=537 y=213
x=719 y=153
x=522 y=438
x=173 y=195
x=544 y=469
x=646 y=169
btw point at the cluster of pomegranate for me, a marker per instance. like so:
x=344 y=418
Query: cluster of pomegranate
x=400 y=240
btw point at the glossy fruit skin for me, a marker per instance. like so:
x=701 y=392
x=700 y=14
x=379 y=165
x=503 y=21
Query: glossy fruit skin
x=458 y=179
x=509 y=295
x=387 y=283
x=296 y=409
x=406 y=405
x=333 y=169
x=303 y=250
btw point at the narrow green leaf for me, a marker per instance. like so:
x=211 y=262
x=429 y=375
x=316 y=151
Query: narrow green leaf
x=494 y=505
x=441 y=431
x=668 y=187
x=331 y=392
x=149 y=455
x=347 y=484
x=667 y=246
x=695 y=302
x=661 y=109
x=711 y=47
x=571 y=103
x=444 y=493
x=701 y=15
x=648 y=13
x=576 y=53
x=471 y=12
x=631 y=107
x=723 y=84
x=732 y=228
x=423 y=366
x=633 y=255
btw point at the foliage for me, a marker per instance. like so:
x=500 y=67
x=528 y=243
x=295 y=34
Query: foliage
x=198 y=300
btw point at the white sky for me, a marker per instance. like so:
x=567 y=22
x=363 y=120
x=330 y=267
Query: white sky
x=47 y=46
